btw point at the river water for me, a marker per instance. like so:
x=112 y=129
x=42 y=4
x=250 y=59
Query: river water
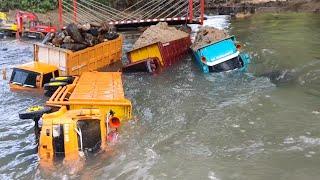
x=187 y=125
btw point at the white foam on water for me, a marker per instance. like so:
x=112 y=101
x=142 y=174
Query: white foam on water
x=221 y=22
x=212 y=176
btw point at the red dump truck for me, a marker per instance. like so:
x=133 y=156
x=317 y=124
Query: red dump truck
x=157 y=56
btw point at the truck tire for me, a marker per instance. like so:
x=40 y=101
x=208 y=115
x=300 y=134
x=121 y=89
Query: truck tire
x=66 y=79
x=53 y=86
x=34 y=112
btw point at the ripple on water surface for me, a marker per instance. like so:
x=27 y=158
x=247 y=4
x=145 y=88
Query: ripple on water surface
x=188 y=125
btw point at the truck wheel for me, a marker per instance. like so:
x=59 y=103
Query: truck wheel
x=152 y=67
x=66 y=79
x=34 y=112
x=53 y=86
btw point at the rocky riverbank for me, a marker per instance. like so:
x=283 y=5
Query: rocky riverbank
x=244 y=8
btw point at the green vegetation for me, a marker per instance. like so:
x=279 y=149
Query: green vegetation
x=40 y=6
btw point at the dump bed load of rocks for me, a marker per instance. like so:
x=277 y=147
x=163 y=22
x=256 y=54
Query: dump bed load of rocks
x=159 y=33
x=78 y=37
x=208 y=35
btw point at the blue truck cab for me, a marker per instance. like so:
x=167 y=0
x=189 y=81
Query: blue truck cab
x=221 y=56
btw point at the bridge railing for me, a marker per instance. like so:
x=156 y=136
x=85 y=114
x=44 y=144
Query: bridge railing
x=86 y=11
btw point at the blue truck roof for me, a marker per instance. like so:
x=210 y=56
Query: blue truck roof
x=220 y=49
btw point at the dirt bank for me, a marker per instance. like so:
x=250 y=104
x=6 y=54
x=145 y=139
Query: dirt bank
x=246 y=7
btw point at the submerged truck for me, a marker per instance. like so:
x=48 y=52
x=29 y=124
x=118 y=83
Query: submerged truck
x=79 y=117
x=223 y=55
x=155 y=57
x=54 y=67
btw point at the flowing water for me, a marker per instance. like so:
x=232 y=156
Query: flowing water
x=188 y=125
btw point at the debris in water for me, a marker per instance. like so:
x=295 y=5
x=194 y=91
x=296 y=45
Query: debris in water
x=315 y=112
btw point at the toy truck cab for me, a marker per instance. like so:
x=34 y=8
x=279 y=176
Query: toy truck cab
x=33 y=75
x=89 y=110
x=223 y=55
x=69 y=134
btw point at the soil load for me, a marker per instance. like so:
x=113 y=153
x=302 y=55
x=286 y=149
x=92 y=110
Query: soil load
x=159 y=33
x=208 y=35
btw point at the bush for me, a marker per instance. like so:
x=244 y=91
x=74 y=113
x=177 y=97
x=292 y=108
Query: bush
x=29 y=5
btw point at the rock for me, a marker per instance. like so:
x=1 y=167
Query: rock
x=208 y=35
x=104 y=28
x=101 y=38
x=111 y=35
x=77 y=37
x=48 y=38
x=73 y=46
x=85 y=27
x=93 y=31
x=74 y=32
x=95 y=24
x=89 y=39
x=68 y=39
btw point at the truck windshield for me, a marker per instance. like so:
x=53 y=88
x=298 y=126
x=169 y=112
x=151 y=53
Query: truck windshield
x=234 y=63
x=24 y=77
x=91 y=135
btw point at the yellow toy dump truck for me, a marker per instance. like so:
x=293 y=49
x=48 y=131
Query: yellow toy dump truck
x=89 y=110
x=53 y=67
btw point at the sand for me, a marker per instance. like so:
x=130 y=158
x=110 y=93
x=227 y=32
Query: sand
x=208 y=35
x=159 y=33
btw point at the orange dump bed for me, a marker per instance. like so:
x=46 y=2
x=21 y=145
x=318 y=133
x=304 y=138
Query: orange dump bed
x=96 y=86
x=94 y=90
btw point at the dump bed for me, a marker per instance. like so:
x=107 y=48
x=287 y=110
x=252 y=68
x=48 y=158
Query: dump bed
x=165 y=53
x=75 y=63
x=101 y=90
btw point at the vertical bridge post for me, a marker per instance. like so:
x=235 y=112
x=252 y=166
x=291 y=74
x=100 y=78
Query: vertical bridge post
x=190 y=11
x=75 y=10
x=60 y=15
x=202 y=11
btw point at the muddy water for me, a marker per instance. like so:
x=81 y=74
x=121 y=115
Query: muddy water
x=260 y=125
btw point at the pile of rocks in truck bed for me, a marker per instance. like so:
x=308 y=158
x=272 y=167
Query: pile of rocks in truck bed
x=77 y=37
x=159 y=33
x=208 y=35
